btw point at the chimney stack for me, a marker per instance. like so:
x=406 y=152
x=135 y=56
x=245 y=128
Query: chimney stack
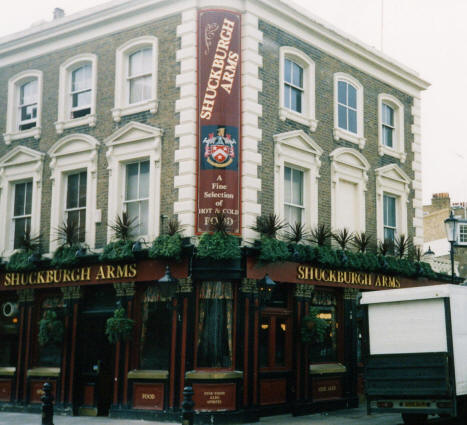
x=58 y=13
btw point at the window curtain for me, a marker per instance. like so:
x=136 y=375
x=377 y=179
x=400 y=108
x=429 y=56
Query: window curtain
x=215 y=344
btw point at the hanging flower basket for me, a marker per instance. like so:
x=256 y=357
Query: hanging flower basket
x=119 y=327
x=51 y=329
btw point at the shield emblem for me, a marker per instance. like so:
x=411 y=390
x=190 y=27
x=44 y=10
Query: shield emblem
x=220 y=153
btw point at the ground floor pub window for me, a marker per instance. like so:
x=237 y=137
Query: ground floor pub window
x=9 y=325
x=155 y=330
x=50 y=353
x=215 y=340
x=325 y=304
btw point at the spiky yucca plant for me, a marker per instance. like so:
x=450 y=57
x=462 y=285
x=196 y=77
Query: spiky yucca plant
x=343 y=237
x=174 y=227
x=401 y=246
x=28 y=242
x=296 y=233
x=361 y=241
x=123 y=227
x=67 y=233
x=386 y=247
x=320 y=235
x=268 y=225
x=219 y=224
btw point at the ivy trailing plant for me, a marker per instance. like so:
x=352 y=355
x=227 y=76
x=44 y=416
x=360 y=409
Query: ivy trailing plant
x=121 y=248
x=51 y=329
x=313 y=329
x=119 y=327
x=68 y=238
x=27 y=255
x=273 y=250
x=168 y=245
x=219 y=245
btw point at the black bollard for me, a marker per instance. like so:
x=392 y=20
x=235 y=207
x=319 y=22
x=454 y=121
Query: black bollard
x=47 y=405
x=188 y=414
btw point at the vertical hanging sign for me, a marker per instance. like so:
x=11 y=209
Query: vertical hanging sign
x=219 y=119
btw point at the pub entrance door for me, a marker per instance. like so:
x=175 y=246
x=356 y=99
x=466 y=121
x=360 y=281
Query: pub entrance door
x=95 y=357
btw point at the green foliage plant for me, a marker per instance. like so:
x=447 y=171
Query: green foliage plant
x=123 y=227
x=401 y=246
x=65 y=256
x=320 y=235
x=343 y=238
x=313 y=328
x=119 y=327
x=296 y=233
x=273 y=250
x=167 y=247
x=269 y=225
x=51 y=329
x=218 y=246
x=361 y=241
x=29 y=246
x=120 y=250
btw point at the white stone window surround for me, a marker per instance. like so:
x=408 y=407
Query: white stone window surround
x=17 y=166
x=134 y=142
x=298 y=150
x=71 y=154
x=122 y=106
x=308 y=116
x=349 y=165
x=64 y=99
x=392 y=180
x=462 y=233
x=398 y=151
x=14 y=83
x=340 y=133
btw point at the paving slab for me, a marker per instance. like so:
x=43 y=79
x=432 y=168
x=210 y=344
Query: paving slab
x=341 y=417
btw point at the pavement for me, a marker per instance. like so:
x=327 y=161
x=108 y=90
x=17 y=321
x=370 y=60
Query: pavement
x=340 y=417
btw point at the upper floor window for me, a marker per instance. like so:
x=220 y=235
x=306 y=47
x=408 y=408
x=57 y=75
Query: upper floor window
x=392 y=194
x=293 y=86
x=22 y=209
x=27 y=105
x=391 y=127
x=463 y=233
x=135 y=177
x=137 y=195
x=348 y=109
x=297 y=92
x=387 y=125
x=140 y=75
x=136 y=77
x=347 y=106
x=24 y=106
x=20 y=196
x=81 y=89
x=293 y=195
x=74 y=174
x=390 y=226
x=77 y=92
x=75 y=209
x=296 y=175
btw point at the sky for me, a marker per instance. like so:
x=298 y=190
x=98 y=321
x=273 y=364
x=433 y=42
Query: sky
x=428 y=36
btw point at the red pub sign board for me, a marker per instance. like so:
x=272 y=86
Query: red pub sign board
x=219 y=119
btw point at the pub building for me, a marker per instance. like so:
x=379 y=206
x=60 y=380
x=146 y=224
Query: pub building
x=145 y=111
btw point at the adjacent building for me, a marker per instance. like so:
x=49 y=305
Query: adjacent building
x=184 y=109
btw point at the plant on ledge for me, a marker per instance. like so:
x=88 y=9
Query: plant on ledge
x=219 y=245
x=50 y=329
x=168 y=245
x=271 y=248
x=68 y=237
x=119 y=327
x=121 y=248
x=313 y=329
x=27 y=255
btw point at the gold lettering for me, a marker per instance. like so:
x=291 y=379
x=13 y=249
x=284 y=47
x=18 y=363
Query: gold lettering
x=398 y=283
x=346 y=277
x=86 y=273
x=100 y=274
x=133 y=270
x=7 y=279
x=66 y=275
x=378 y=281
x=110 y=272
x=340 y=277
x=57 y=276
x=300 y=274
